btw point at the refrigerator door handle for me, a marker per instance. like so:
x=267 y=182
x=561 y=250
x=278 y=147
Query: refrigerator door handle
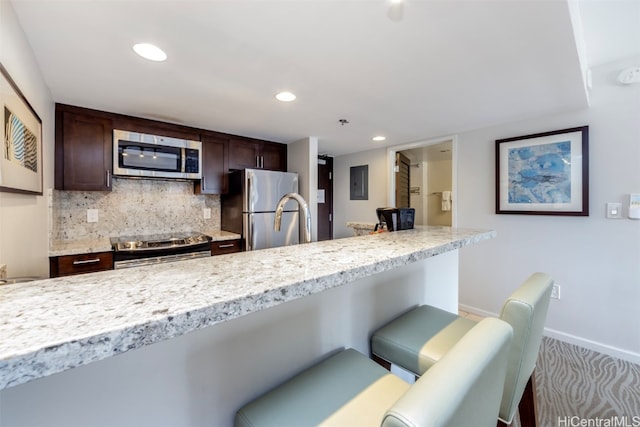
x=249 y=241
x=248 y=207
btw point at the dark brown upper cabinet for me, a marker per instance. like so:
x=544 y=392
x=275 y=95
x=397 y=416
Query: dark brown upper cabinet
x=215 y=154
x=256 y=154
x=83 y=151
x=274 y=156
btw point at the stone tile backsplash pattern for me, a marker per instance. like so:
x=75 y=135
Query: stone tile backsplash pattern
x=133 y=207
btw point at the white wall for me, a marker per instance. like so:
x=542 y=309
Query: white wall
x=23 y=218
x=358 y=210
x=595 y=260
x=302 y=157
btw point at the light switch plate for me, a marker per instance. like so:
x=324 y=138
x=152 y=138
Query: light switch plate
x=92 y=215
x=207 y=213
x=614 y=210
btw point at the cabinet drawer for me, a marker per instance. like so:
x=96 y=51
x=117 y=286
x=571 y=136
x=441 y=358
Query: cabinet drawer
x=84 y=263
x=225 y=247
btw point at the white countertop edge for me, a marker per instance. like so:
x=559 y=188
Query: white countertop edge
x=26 y=364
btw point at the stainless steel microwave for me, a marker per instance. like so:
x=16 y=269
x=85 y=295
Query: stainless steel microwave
x=152 y=156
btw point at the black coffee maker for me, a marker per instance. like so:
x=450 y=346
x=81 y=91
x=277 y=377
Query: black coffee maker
x=395 y=218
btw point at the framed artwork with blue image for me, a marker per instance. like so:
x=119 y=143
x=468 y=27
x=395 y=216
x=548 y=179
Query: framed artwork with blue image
x=544 y=173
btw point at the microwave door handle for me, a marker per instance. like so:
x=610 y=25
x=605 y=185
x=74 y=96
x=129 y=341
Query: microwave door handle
x=183 y=160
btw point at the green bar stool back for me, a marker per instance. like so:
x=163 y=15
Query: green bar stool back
x=416 y=340
x=349 y=389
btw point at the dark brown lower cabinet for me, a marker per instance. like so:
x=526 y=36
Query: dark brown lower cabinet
x=226 y=247
x=68 y=265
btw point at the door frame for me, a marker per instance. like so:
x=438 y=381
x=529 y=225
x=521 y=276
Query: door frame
x=391 y=175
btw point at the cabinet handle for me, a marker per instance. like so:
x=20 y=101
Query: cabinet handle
x=228 y=245
x=262 y=162
x=258 y=162
x=108 y=178
x=204 y=185
x=86 y=261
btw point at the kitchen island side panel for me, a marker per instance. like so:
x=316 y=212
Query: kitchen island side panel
x=201 y=378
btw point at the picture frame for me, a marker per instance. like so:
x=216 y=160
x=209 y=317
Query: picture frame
x=21 y=140
x=544 y=173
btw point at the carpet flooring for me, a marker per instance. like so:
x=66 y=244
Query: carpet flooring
x=579 y=387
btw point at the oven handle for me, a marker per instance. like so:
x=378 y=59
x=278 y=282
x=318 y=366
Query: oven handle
x=86 y=261
x=159 y=259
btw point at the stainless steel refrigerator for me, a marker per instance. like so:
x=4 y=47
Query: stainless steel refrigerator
x=249 y=208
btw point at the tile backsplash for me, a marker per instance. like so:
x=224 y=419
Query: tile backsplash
x=133 y=207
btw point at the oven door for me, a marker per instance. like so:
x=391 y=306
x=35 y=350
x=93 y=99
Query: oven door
x=125 y=259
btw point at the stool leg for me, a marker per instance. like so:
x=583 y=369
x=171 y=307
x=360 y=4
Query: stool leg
x=386 y=365
x=528 y=404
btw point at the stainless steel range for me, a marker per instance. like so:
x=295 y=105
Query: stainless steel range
x=134 y=251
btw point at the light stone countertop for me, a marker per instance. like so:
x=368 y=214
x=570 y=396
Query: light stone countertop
x=361 y=228
x=52 y=325
x=88 y=246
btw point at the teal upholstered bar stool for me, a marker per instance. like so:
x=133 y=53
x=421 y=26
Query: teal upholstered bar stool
x=419 y=338
x=348 y=389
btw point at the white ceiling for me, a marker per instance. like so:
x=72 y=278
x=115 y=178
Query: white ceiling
x=438 y=68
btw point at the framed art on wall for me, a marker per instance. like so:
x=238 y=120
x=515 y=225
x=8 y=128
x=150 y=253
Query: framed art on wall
x=21 y=147
x=544 y=174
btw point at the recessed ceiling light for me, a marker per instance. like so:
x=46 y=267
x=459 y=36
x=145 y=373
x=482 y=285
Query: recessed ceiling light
x=378 y=138
x=150 y=52
x=285 y=97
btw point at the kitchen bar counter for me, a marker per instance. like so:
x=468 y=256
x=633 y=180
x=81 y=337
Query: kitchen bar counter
x=361 y=228
x=53 y=325
x=88 y=246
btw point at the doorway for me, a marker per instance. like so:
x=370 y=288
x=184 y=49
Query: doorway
x=403 y=180
x=431 y=180
x=325 y=198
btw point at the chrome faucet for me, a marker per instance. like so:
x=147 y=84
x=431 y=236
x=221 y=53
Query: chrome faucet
x=306 y=214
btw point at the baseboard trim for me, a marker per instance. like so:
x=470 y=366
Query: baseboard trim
x=609 y=350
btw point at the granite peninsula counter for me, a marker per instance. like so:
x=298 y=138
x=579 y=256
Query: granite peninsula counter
x=53 y=325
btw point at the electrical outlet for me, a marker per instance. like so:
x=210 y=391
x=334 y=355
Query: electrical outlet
x=92 y=215
x=3 y=271
x=614 y=210
x=207 y=213
x=555 y=292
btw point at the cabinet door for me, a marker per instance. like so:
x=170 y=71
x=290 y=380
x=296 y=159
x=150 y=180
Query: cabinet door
x=214 y=166
x=274 y=156
x=244 y=153
x=226 y=247
x=68 y=265
x=86 y=152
